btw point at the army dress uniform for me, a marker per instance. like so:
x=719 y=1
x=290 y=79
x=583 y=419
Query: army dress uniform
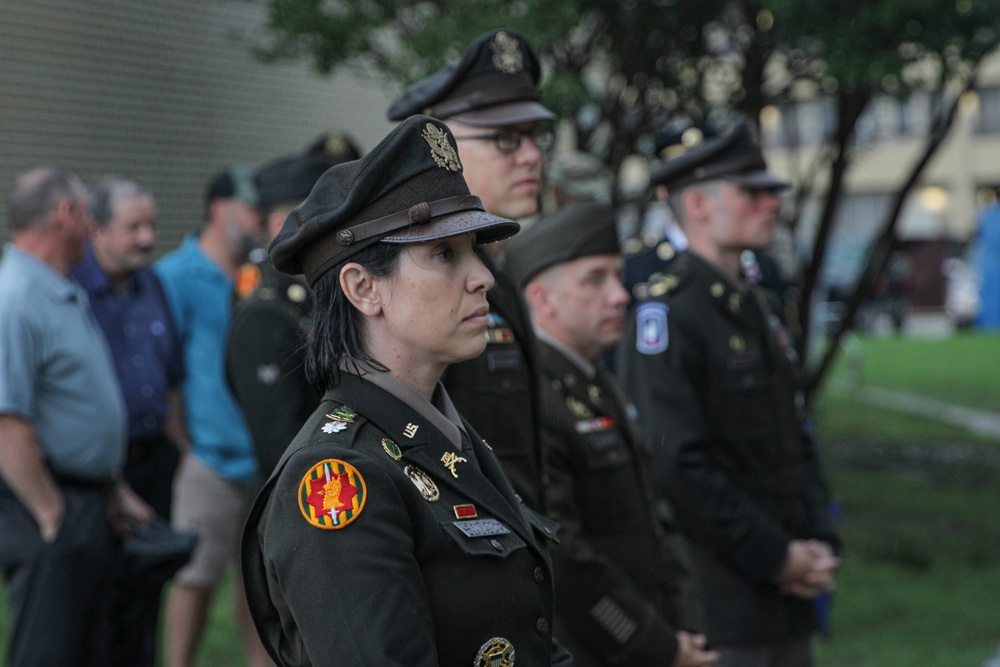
x=715 y=377
x=494 y=85
x=372 y=516
x=624 y=582
x=264 y=359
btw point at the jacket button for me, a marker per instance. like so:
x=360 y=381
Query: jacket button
x=539 y=575
x=542 y=626
x=496 y=545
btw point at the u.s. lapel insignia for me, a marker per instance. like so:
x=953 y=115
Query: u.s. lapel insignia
x=507 y=54
x=496 y=652
x=410 y=430
x=428 y=489
x=392 y=449
x=450 y=460
x=736 y=344
x=465 y=511
x=334 y=427
x=342 y=414
x=441 y=149
x=332 y=494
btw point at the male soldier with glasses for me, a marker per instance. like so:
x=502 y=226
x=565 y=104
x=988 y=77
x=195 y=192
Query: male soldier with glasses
x=490 y=100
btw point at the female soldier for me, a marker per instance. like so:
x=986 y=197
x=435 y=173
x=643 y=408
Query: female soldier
x=388 y=534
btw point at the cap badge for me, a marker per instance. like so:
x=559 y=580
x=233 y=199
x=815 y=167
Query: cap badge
x=428 y=489
x=332 y=494
x=334 y=427
x=507 y=54
x=345 y=237
x=450 y=460
x=496 y=652
x=441 y=149
x=392 y=449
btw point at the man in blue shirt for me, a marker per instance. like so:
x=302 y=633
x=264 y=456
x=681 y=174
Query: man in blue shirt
x=213 y=481
x=62 y=433
x=131 y=309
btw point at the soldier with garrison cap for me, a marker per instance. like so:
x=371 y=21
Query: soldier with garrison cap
x=490 y=101
x=388 y=533
x=264 y=348
x=716 y=379
x=625 y=589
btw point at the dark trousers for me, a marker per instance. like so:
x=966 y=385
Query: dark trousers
x=57 y=592
x=149 y=470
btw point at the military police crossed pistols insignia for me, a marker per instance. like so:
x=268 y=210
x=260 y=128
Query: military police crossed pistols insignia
x=332 y=494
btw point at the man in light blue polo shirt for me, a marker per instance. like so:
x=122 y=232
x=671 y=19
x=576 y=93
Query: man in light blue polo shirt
x=211 y=492
x=62 y=432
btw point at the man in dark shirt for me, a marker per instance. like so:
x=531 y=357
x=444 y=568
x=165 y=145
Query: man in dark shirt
x=131 y=309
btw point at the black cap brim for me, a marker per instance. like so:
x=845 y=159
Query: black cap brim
x=759 y=180
x=510 y=113
x=486 y=226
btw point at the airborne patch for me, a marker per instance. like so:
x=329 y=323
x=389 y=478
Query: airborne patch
x=651 y=335
x=332 y=494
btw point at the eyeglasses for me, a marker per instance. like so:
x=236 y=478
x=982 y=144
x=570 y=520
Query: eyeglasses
x=508 y=141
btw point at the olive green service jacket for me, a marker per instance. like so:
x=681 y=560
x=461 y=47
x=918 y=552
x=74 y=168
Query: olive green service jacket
x=497 y=393
x=714 y=374
x=376 y=542
x=624 y=580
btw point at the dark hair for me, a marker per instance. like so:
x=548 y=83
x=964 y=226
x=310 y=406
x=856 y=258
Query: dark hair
x=333 y=335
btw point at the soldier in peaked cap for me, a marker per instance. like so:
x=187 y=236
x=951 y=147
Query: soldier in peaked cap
x=263 y=350
x=716 y=379
x=625 y=588
x=490 y=100
x=387 y=533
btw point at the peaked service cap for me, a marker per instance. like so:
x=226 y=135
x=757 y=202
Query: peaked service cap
x=494 y=84
x=408 y=189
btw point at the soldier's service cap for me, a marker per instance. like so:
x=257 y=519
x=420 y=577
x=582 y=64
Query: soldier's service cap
x=289 y=179
x=577 y=230
x=494 y=84
x=233 y=182
x=336 y=145
x=734 y=156
x=408 y=189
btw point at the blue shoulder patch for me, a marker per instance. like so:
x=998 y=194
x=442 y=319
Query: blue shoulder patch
x=651 y=327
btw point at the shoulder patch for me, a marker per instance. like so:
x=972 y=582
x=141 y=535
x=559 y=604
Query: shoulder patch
x=651 y=327
x=332 y=494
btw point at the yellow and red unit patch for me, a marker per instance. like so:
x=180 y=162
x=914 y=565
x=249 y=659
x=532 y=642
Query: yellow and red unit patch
x=332 y=494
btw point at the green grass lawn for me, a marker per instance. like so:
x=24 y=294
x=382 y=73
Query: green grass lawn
x=919 y=506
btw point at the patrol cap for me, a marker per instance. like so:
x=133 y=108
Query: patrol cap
x=289 y=179
x=734 y=156
x=494 y=84
x=233 y=182
x=408 y=189
x=577 y=230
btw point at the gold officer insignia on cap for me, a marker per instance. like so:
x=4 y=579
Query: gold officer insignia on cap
x=428 y=489
x=332 y=494
x=496 y=652
x=392 y=449
x=450 y=460
x=507 y=53
x=441 y=149
x=737 y=344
